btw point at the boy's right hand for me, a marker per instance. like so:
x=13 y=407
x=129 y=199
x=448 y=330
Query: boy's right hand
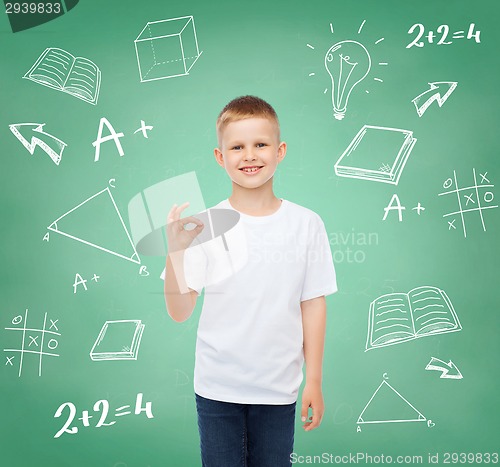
x=178 y=237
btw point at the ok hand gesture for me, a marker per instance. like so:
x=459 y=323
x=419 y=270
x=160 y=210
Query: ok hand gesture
x=178 y=237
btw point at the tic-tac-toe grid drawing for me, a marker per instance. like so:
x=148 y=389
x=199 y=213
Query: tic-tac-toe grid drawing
x=476 y=197
x=31 y=342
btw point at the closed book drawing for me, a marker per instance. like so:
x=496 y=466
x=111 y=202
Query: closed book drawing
x=118 y=340
x=376 y=153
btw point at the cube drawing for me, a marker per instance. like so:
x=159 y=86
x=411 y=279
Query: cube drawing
x=167 y=48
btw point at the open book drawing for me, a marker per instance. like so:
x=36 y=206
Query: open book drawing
x=118 y=340
x=376 y=153
x=60 y=70
x=399 y=317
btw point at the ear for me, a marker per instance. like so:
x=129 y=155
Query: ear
x=219 y=157
x=281 y=151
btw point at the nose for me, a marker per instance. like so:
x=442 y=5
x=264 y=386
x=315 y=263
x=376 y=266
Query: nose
x=249 y=156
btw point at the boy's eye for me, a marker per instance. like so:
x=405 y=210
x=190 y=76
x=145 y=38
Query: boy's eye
x=237 y=147
x=261 y=145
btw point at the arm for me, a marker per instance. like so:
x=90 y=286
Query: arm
x=179 y=299
x=179 y=305
x=314 y=325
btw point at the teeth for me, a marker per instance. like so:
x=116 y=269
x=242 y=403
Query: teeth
x=254 y=169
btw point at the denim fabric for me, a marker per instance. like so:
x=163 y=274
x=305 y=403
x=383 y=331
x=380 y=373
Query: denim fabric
x=245 y=435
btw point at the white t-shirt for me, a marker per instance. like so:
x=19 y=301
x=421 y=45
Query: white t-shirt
x=249 y=346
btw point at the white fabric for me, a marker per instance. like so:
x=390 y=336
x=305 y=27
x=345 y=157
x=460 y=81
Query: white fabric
x=249 y=347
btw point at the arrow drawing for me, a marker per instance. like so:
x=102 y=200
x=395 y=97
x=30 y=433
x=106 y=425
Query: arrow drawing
x=26 y=132
x=438 y=91
x=448 y=370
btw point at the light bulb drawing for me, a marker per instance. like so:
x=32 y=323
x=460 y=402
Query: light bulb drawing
x=348 y=63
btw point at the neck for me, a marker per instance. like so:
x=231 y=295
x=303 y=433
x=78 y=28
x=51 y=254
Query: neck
x=254 y=201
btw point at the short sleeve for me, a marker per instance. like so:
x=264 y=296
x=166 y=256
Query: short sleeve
x=195 y=268
x=319 y=277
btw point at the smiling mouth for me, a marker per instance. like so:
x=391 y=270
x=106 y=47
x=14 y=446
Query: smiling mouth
x=250 y=169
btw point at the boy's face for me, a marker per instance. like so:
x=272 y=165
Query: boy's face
x=250 y=151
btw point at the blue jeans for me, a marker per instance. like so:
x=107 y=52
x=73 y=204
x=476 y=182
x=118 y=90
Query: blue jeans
x=245 y=435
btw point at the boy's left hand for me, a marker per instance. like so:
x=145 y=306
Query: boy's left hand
x=312 y=397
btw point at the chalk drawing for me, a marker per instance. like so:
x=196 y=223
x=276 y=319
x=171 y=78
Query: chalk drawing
x=398 y=317
x=388 y=406
x=35 y=342
x=448 y=370
x=58 y=69
x=63 y=225
x=144 y=129
x=475 y=198
x=32 y=135
x=118 y=340
x=101 y=406
x=394 y=205
x=167 y=48
x=442 y=32
x=79 y=280
x=439 y=91
x=347 y=63
x=376 y=153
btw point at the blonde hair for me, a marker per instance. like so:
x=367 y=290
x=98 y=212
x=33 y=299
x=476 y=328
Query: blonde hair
x=245 y=107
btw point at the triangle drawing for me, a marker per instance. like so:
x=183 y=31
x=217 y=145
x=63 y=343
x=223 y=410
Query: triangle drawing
x=388 y=406
x=97 y=222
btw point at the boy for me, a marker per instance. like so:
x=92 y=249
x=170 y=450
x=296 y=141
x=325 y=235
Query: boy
x=258 y=325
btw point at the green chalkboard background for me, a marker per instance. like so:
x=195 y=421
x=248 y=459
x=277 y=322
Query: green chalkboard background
x=258 y=47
